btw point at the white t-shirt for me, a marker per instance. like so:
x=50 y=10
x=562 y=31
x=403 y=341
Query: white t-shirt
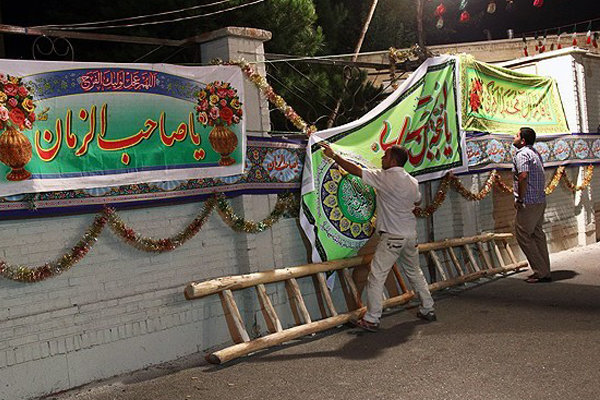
x=397 y=193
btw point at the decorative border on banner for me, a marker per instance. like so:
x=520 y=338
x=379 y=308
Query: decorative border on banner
x=109 y=79
x=496 y=151
x=272 y=166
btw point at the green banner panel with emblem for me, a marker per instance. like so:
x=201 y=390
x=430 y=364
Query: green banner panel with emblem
x=338 y=209
x=499 y=100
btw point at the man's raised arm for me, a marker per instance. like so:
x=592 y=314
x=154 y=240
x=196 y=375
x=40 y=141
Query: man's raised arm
x=349 y=166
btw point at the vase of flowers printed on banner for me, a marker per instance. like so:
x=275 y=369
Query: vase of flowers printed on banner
x=17 y=113
x=219 y=107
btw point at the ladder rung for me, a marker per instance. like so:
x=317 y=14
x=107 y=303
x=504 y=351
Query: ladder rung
x=271 y=319
x=471 y=258
x=296 y=301
x=438 y=265
x=349 y=287
x=498 y=254
x=321 y=285
x=398 y=276
x=466 y=263
x=451 y=271
x=455 y=261
x=483 y=255
x=511 y=255
x=234 y=319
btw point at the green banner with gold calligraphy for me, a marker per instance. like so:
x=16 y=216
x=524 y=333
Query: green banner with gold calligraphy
x=338 y=210
x=499 y=100
x=66 y=126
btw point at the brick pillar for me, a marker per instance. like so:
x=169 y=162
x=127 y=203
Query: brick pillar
x=256 y=252
x=233 y=43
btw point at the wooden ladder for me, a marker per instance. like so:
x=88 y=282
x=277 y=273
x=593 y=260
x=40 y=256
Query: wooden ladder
x=449 y=270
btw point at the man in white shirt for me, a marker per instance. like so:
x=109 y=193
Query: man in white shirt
x=397 y=194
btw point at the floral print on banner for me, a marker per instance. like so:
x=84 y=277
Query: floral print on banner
x=494 y=151
x=272 y=166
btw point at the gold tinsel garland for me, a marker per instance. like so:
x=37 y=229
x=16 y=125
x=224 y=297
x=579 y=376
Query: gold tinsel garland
x=149 y=244
x=438 y=199
x=284 y=203
x=239 y=224
x=495 y=178
x=556 y=178
x=558 y=174
x=275 y=99
x=587 y=179
x=467 y=194
x=24 y=273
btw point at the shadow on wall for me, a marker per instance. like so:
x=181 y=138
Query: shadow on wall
x=503 y=206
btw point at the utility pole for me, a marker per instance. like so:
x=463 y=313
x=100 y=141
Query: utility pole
x=361 y=39
x=420 y=36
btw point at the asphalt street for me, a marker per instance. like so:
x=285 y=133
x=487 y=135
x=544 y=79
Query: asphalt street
x=500 y=339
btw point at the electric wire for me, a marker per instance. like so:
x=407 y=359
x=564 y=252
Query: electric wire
x=133 y=18
x=312 y=82
x=301 y=90
x=163 y=22
x=559 y=28
x=293 y=92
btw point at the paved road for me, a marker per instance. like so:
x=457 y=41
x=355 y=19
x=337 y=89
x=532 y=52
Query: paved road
x=504 y=339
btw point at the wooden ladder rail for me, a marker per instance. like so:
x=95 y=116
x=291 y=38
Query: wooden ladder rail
x=243 y=345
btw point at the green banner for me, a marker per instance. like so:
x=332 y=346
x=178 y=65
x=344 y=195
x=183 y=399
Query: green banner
x=499 y=100
x=338 y=210
x=66 y=126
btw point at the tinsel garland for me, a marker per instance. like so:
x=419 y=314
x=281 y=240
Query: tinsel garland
x=275 y=99
x=23 y=273
x=239 y=224
x=452 y=180
x=556 y=178
x=506 y=188
x=558 y=174
x=587 y=179
x=287 y=202
x=438 y=199
x=467 y=194
x=149 y=244
x=495 y=178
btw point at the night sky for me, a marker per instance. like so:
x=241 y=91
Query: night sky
x=522 y=18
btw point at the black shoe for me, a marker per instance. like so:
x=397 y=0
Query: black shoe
x=429 y=317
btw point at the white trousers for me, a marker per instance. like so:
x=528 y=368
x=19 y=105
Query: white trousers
x=390 y=249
